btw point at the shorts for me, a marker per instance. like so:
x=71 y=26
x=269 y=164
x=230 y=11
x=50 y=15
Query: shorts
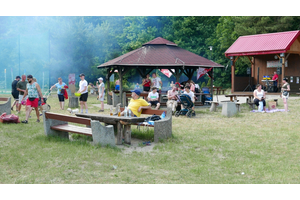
x=15 y=95
x=34 y=103
x=61 y=98
x=147 y=89
x=83 y=97
x=153 y=103
x=21 y=97
x=117 y=87
x=101 y=99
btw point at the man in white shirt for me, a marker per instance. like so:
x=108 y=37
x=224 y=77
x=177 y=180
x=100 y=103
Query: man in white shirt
x=190 y=93
x=84 y=93
x=172 y=101
x=153 y=98
x=156 y=82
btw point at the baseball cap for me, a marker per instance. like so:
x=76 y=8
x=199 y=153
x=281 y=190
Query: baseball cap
x=18 y=77
x=100 y=78
x=137 y=92
x=82 y=74
x=29 y=76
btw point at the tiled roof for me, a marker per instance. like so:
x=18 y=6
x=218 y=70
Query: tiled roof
x=160 y=52
x=270 y=43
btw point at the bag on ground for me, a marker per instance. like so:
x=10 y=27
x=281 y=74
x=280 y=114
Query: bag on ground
x=9 y=118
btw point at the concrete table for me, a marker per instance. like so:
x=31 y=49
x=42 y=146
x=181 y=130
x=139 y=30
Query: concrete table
x=122 y=123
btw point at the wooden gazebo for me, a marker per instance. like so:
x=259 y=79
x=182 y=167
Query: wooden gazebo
x=159 y=53
x=268 y=53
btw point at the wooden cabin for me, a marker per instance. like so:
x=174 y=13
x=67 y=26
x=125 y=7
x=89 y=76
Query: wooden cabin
x=267 y=53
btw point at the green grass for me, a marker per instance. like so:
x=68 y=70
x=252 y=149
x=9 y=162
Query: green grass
x=207 y=149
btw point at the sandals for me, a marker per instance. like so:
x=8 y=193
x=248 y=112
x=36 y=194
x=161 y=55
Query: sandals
x=38 y=120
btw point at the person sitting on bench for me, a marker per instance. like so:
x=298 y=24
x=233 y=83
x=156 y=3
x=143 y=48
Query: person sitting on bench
x=259 y=95
x=153 y=98
x=136 y=104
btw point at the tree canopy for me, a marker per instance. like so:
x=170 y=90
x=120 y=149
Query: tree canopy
x=64 y=45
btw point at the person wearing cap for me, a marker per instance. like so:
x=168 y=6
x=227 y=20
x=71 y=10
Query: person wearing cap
x=84 y=93
x=284 y=90
x=136 y=104
x=60 y=85
x=153 y=98
x=101 y=89
x=21 y=87
x=15 y=93
x=33 y=91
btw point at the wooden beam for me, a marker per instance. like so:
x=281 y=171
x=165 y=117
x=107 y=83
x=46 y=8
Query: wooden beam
x=232 y=76
x=121 y=85
x=249 y=59
x=236 y=59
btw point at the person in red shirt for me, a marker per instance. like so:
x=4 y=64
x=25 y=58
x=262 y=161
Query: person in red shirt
x=146 y=83
x=275 y=80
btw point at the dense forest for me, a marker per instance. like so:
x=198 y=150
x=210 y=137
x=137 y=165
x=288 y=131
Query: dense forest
x=64 y=45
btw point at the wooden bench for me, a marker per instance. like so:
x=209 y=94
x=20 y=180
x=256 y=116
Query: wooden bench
x=5 y=105
x=58 y=125
x=223 y=91
x=163 y=127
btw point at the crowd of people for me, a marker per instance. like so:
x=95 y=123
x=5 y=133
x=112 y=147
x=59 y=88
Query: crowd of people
x=27 y=92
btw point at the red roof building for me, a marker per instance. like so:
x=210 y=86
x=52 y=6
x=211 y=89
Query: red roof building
x=272 y=43
x=268 y=53
x=163 y=54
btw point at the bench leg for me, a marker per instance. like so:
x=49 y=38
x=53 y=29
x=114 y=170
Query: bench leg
x=213 y=107
x=238 y=107
x=102 y=135
x=127 y=134
x=120 y=133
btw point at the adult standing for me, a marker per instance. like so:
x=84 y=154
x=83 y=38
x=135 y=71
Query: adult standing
x=101 y=88
x=21 y=87
x=275 y=81
x=156 y=82
x=33 y=91
x=259 y=95
x=15 y=93
x=285 y=93
x=146 y=83
x=60 y=93
x=172 y=101
x=84 y=93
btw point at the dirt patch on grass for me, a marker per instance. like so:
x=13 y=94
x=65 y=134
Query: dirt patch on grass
x=136 y=145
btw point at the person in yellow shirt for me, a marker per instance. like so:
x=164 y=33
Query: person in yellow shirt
x=136 y=104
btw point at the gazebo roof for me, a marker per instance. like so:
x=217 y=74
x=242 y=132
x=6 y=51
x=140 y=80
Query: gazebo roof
x=270 y=43
x=161 y=53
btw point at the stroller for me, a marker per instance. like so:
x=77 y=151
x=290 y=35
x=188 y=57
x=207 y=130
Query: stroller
x=206 y=96
x=187 y=103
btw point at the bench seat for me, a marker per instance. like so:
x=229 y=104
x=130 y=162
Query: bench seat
x=58 y=125
x=73 y=129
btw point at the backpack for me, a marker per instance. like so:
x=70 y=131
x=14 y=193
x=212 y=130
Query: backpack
x=152 y=118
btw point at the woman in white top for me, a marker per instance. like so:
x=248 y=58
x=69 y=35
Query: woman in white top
x=259 y=95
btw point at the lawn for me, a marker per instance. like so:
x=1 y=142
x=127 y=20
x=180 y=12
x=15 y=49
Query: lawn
x=247 y=148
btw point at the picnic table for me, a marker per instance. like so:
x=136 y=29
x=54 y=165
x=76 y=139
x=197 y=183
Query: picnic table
x=123 y=124
x=250 y=96
x=217 y=89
